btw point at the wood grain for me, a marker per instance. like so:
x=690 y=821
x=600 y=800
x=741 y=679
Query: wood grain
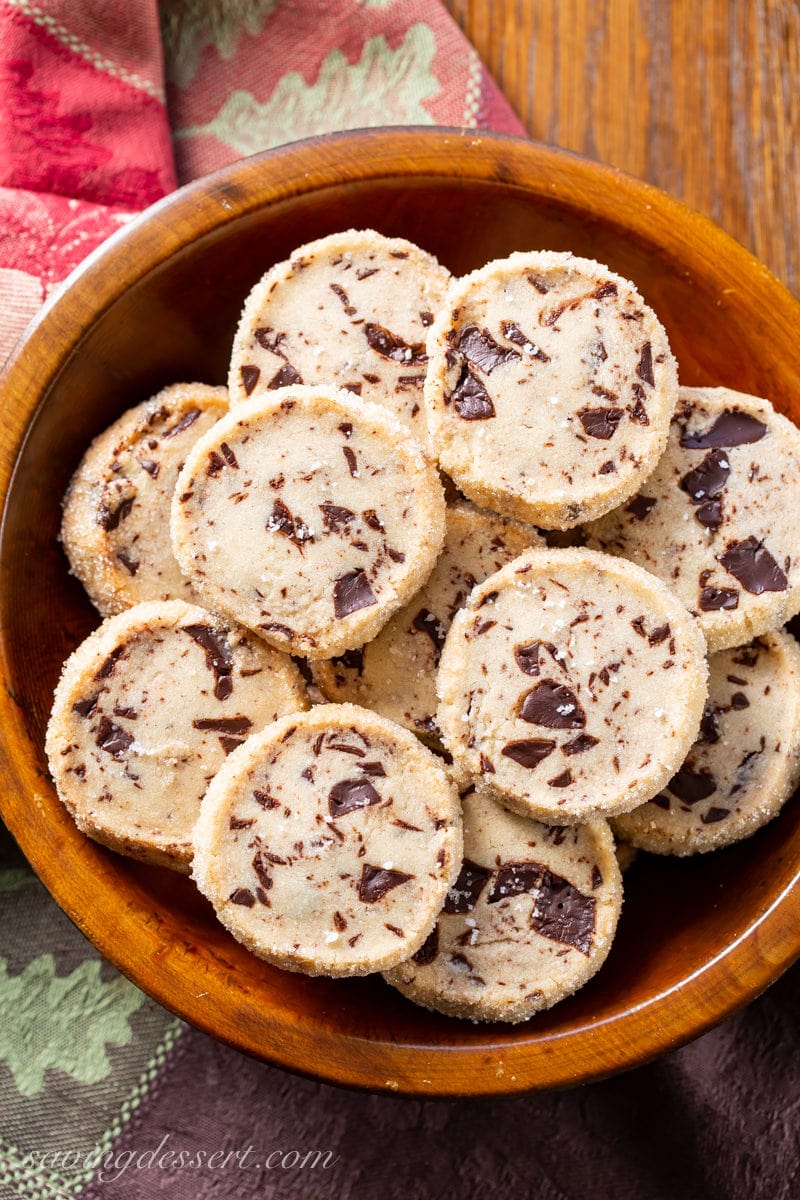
x=700 y=99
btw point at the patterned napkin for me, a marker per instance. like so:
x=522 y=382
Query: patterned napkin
x=106 y=107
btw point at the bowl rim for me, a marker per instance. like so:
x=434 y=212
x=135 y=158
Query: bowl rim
x=595 y=1049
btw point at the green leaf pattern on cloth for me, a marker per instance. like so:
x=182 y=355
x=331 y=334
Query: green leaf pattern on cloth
x=398 y=82
x=188 y=27
x=63 y=1022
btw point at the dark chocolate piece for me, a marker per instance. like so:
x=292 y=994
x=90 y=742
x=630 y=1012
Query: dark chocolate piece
x=149 y=465
x=730 y=429
x=562 y=780
x=514 y=334
x=691 y=786
x=580 y=744
x=111 y=738
x=350 y=794
x=85 y=708
x=705 y=484
x=109 y=518
x=131 y=565
x=464 y=894
x=375 y=882
x=601 y=422
x=528 y=753
x=527 y=657
x=426 y=622
x=250 y=377
x=107 y=667
x=390 y=345
x=286 y=376
x=429 y=949
x=471 y=399
x=233 y=725
x=294 y=528
x=334 y=516
x=714 y=814
x=712 y=598
x=185 y=422
x=645 y=368
x=479 y=347
x=242 y=896
x=351 y=592
x=564 y=914
x=353 y=660
x=710 y=731
x=753 y=566
x=219 y=658
x=553 y=705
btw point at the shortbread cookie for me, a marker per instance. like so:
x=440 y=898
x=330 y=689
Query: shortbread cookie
x=328 y=842
x=550 y=388
x=571 y=685
x=395 y=674
x=352 y=310
x=145 y=712
x=310 y=516
x=115 y=529
x=717 y=519
x=626 y=854
x=529 y=920
x=744 y=765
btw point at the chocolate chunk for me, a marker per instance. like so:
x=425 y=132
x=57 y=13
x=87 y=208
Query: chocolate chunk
x=273 y=344
x=351 y=592
x=341 y=295
x=479 y=347
x=514 y=334
x=350 y=794
x=109 y=518
x=229 y=743
x=597 y=877
x=241 y=823
x=730 y=429
x=608 y=288
x=429 y=949
x=85 y=708
x=112 y=739
x=536 y=282
x=233 y=725
x=564 y=914
x=390 y=345
x=131 y=565
x=528 y=753
x=250 y=377
x=265 y=800
x=242 y=896
x=375 y=882
x=515 y=879
x=471 y=399
x=463 y=895
x=372 y=519
x=601 y=422
x=352 y=461
x=553 y=705
x=185 y=422
x=283 y=521
x=261 y=865
x=753 y=566
x=110 y=663
x=426 y=318
x=353 y=660
x=219 y=658
x=334 y=516
x=228 y=455
x=215 y=464
x=704 y=484
x=710 y=731
x=645 y=367
x=580 y=744
x=375 y=769
x=712 y=598
x=152 y=468
x=739 y=701
x=527 y=657
x=714 y=814
x=426 y=622
x=286 y=376
x=562 y=780
x=691 y=786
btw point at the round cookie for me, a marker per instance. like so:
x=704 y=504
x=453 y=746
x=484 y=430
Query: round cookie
x=309 y=516
x=529 y=920
x=744 y=765
x=328 y=842
x=352 y=310
x=144 y=714
x=395 y=673
x=115 y=528
x=549 y=389
x=717 y=518
x=571 y=685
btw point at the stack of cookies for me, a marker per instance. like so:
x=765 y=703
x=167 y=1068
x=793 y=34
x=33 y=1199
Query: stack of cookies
x=405 y=621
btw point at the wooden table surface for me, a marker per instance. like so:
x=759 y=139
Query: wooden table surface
x=700 y=97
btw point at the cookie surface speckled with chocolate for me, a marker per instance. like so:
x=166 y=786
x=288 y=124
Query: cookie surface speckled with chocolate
x=549 y=389
x=571 y=685
x=717 y=519
x=395 y=673
x=145 y=712
x=529 y=920
x=115 y=528
x=328 y=843
x=310 y=516
x=351 y=310
x=745 y=763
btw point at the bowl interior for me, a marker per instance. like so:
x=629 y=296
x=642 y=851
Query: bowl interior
x=160 y=305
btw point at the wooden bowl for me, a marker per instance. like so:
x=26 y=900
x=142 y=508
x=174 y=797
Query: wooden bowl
x=159 y=303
